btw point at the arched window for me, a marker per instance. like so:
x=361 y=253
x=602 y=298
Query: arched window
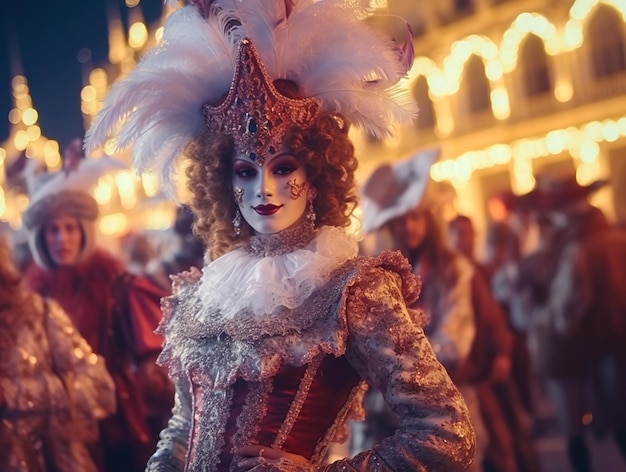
x=534 y=66
x=607 y=43
x=426 y=115
x=477 y=86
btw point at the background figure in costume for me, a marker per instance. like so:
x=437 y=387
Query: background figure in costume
x=53 y=388
x=115 y=311
x=400 y=205
x=575 y=318
x=490 y=367
x=271 y=344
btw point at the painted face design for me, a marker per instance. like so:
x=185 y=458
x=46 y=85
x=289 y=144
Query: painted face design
x=273 y=196
x=64 y=240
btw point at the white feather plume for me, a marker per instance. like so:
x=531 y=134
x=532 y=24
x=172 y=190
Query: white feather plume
x=322 y=45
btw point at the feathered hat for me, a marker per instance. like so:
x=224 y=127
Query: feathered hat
x=392 y=190
x=66 y=193
x=217 y=65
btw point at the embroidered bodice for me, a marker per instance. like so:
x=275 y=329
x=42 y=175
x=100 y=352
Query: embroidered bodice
x=290 y=376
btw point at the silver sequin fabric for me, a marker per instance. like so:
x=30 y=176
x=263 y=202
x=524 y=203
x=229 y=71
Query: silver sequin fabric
x=361 y=315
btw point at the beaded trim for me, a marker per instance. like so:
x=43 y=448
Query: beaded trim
x=282 y=243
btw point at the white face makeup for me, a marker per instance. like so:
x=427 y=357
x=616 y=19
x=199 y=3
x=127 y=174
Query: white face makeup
x=271 y=197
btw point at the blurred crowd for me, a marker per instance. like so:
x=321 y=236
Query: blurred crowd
x=544 y=307
x=80 y=388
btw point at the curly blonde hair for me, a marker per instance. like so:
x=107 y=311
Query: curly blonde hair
x=330 y=162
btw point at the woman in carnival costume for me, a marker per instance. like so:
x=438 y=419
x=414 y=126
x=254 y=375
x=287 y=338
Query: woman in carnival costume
x=270 y=345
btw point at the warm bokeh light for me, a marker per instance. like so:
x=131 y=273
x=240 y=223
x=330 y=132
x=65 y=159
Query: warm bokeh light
x=29 y=116
x=150 y=182
x=115 y=224
x=137 y=35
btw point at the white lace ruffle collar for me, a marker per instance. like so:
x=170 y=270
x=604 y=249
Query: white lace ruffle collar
x=241 y=282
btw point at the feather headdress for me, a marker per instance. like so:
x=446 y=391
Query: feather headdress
x=323 y=46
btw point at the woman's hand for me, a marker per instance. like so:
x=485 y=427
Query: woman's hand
x=257 y=455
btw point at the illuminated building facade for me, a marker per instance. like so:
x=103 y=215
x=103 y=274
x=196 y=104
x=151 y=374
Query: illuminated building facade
x=508 y=88
x=505 y=89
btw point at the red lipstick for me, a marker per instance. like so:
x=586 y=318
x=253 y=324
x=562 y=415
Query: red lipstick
x=267 y=210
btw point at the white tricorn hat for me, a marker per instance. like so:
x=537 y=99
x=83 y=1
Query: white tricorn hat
x=394 y=189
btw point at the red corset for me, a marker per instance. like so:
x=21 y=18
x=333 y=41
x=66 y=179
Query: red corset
x=329 y=392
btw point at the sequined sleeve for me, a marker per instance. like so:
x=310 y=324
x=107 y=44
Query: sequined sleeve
x=390 y=350
x=172 y=448
x=84 y=373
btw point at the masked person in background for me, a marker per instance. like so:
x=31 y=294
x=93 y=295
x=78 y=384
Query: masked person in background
x=115 y=311
x=269 y=346
x=53 y=388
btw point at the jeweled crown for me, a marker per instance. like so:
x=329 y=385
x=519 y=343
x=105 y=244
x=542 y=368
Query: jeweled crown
x=254 y=112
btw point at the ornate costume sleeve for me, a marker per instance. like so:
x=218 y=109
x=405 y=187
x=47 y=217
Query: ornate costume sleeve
x=172 y=447
x=389 y=349
x=84 y=373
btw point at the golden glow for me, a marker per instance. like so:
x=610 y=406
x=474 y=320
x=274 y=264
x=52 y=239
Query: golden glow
x=110 y=147
x=587 y=173
x=117 y=42
x=18 y=80
x=98 y=77
x=500 y=103
x=564 y=91
x=580 y=12
x=150 y=182
x=137 y=35
x=88 y=93
x=20 y=140
x=525 y=24
x=102 y=192
x=15 y=115
x=115 y=224
x=610 y=132
x=159 y=218
x=126 y=187
x=53 y=160
x=29 y=116
x=581 y=143
x=132 y=3
x=589 y=152
x=33 y=133
x=158 y=34
x=89 y=108
x=446 y=80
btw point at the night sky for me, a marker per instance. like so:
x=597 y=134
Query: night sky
x=41 y=40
